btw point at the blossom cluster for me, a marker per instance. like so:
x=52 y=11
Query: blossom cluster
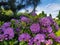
x=31 y=30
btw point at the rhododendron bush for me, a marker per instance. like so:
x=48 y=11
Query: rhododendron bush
x=30 y=30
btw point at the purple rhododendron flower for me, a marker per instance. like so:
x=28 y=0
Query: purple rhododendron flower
x=30 y=31
x=31 y=41
x=24 y=37
x=50 y=18
x=25 y=19
x=43 y=30
x=45 y=21
x=18 y=30
x=52 y=35
x=9 y=33
x=39 y=38
x=57 y=39
x=56 y=25
x=35 y=27
x=47 y=29
x=38 y=43
x=6 y=25
x=49 y=42
x=1 y=37
x=1 y=31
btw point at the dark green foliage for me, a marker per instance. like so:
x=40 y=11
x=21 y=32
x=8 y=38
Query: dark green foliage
x=50 y=15
x=42 y=14
x=21 y=4
x=7 y=18
x=59 y=14
x=11 y=4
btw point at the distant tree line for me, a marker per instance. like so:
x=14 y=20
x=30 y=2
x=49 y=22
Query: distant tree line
x=16 y=5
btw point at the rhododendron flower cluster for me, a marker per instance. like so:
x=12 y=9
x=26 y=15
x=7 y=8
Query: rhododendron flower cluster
x=27 y=31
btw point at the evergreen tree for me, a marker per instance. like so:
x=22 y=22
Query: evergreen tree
x=50 y=15
x=59 y=14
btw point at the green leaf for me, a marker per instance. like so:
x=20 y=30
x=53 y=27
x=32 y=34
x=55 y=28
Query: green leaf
x=58 y=43
x=0 y=23
x=15 y=42
x=21 y=43
x=23 y=23
x=58 y=33
x=5 y=43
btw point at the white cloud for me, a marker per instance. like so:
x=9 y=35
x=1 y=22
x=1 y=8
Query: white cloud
x=52 y=8
x=24 y=10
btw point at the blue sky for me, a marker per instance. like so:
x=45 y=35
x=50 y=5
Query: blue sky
x=49 y=6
